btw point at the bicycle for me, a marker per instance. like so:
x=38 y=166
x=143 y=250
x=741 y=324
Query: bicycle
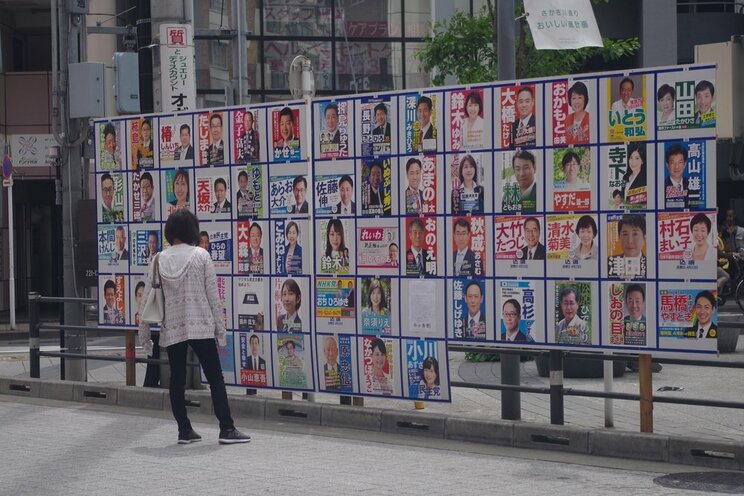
x=734 y=265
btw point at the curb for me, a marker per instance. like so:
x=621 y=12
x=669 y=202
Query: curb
x=596 y=442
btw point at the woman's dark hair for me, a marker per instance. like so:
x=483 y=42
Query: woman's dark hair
x=476 y=98
x=580 y=89
x=700 y=218
x=468 y=158
x=293 y=287
x=570 y=155
x=109 y=128
x=641 y=149
x=182 y=225
x=665 y=89
x=140 y=284
x=430 y=362
x=584 y=222
x=379 y=344
x=376 y=284
x=339 y=228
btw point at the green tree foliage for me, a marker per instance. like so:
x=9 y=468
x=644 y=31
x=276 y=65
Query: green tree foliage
x=465 y=47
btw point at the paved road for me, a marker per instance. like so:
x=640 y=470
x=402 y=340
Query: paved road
x=63 y=449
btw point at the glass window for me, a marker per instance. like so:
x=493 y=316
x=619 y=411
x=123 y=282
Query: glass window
x=363 y=67
x=215 y=14
x=213 y=64
x=297 y=18
x=252 y=17
x=254 y=64
x=219 y=54
x=368 y=18
x=415 y=77
x=278 y=56
x=418 y=18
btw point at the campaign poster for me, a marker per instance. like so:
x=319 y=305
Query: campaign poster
x=224 y=292
x=177 y=186
x=212 y=149
x=469 y=124
x=376 y=125
x=335 y=304
x=520 y=317
x=113 y=292
x=145 y=197
x=518 y=122
x=378 y=247
x=627 y=101
x=146 y=243
x=137 y=297
x=213 y=193
x=335 y=249
x=628 y=305
x=110 y=145
x=420 y=120
x=419 y=184
x=571 y=107
x=226 y=355
x=469 y=308
x=521 y=181
x=112 y=197
x=425 y=313
x=684 y=175
x=686 y=101
x=290 y=237
x=626 y=177
x=219 y=238
x=518 y=245
x=467 y=183
x=290 y=315
x=337 y=354
x=327 y=193
x=425 y=378
x=571 y=240
x=627 y=247
x=176 y=141
x=251 y=247
x=376 y=187
x=249 y=199
x=254 y=351
x=687 y=245
x=294 y=359
x=250 y=303
x=573 y=319
x=573 y=178
x=469 y=246
x=246 y=138
x=288 y=194
x=285 y=134
x=333 y=125
x=379 y=358
x=688 y=317
x=142 y=148
x=113 y=249
x=421 y=246
x=377 y=306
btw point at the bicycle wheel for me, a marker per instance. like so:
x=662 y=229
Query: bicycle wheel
x=739 y=295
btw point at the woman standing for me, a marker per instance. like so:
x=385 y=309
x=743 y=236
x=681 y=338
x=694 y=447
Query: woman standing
x=193 y=317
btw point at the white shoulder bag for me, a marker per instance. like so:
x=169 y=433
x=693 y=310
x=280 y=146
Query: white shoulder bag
x=154 y=309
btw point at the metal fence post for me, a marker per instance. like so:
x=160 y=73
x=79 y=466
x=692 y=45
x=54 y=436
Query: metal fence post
x=556 y=387
x=33 y=333
x=129 y=355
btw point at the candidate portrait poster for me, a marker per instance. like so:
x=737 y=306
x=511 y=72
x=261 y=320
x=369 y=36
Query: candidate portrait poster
x=141 y=145
x=520 y=310
x=687 y=244
x=333 y=125
x=573 y=105
x=425 y=370
x=627 y=117
x=688 y=317
x=686 y=102
x=335 y=304
x=469 y=119
x=253 y=359
x=110 y=145
x=286 y=141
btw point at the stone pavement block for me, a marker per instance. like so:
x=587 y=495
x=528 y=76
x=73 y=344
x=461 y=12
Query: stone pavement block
x=141 y=397
x=20 y=386
x=717 y=454
x=636 y=445
x=354 y=417
x=94 y=393
x=295 y=411
x=57 y=390
x=245 y=406
x=551 y=437
x=413 y=423
x=499 y=432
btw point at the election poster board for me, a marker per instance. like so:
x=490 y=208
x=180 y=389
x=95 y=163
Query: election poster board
x=354 y=237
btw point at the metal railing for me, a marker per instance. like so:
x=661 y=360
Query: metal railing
x=556 y=358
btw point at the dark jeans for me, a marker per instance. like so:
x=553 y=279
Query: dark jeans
x=152 y=373
x=206 y=351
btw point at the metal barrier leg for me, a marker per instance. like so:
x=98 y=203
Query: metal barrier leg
x=646 y=392
x=556 y=387
x=511 y=408
x=129 y=355
x=33 y=334
x=608 y=387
